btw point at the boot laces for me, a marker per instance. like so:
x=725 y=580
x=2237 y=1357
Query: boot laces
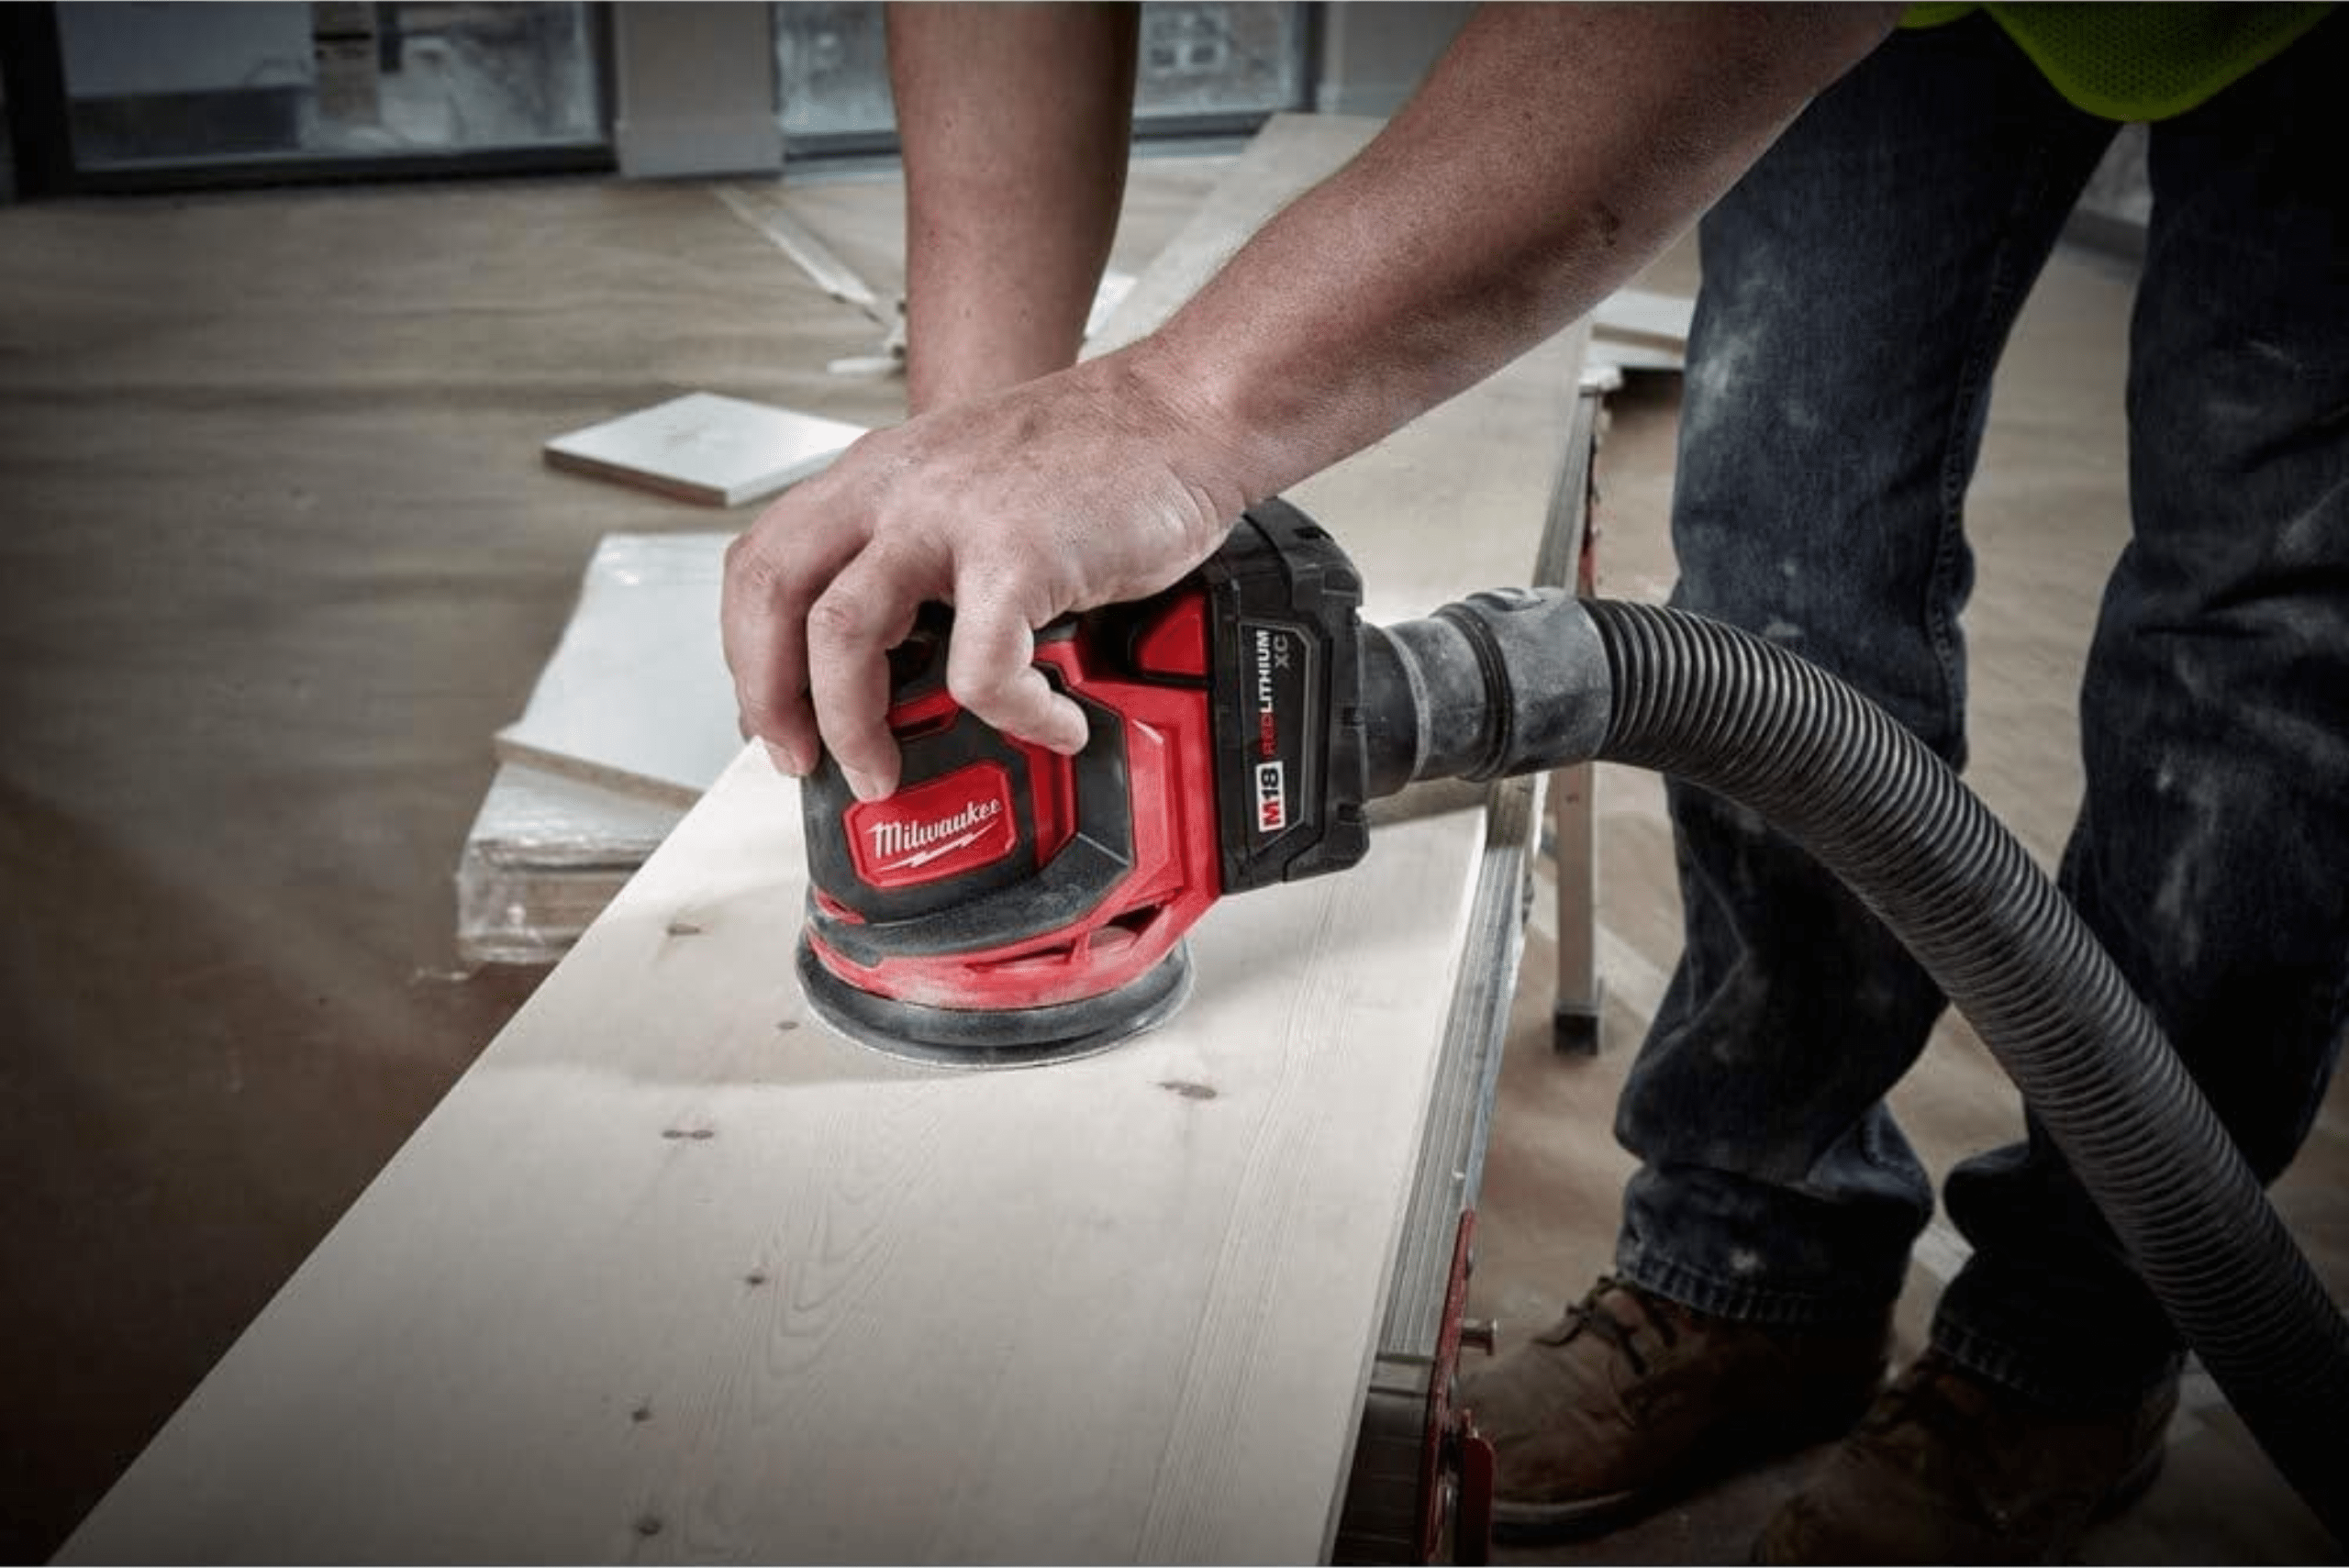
x=1587 y=1314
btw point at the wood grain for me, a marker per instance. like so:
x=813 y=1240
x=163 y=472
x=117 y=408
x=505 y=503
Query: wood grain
x=674 y=1256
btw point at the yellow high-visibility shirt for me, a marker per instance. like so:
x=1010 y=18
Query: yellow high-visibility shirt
x=2138 y=61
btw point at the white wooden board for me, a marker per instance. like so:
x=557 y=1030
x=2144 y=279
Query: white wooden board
x=636 y=696
x=674 y=1274
x=1640 y=330
x=1641 y=313
x=721 y=451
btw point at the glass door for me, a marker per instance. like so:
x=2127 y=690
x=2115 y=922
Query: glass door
x=181 y=92
x=1207 y=67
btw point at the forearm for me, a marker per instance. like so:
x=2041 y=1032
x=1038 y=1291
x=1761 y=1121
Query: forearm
x=1015 y=122
x=1551 y=154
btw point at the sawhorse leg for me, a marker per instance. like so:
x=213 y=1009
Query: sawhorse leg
x=1570 y=546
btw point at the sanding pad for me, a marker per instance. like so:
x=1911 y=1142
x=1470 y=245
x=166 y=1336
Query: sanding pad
x=1012 y=1037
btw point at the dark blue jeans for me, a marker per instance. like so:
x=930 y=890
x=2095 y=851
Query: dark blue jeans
x=1859 y=286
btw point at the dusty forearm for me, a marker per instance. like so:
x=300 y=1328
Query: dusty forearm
x=1552 y=153
x=1015 y=122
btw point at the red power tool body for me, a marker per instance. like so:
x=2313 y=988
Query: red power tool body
x=1009 y=904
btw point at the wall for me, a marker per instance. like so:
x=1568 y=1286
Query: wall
x=696 y=89
x=1373 y=56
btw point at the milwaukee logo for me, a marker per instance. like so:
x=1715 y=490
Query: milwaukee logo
x=912 y=844
x=931 y=831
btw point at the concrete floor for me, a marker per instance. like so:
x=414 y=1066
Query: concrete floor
x=279 y=556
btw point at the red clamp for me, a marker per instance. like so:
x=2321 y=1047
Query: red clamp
x=1455 y=1460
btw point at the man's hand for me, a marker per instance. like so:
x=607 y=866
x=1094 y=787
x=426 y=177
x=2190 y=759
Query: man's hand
x=1087 y=487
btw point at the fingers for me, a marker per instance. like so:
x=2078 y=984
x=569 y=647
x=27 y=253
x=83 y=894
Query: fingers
x=868 y=609
x=807 y=617
x=758 y=627
x=831 y=578
x=990 y=671
x=774 y=571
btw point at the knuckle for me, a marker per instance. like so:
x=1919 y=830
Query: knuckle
x=980 y=689
x=997 y=688
x=837 y=618
x=755 y=714
x=748 y=567
x=767 y=709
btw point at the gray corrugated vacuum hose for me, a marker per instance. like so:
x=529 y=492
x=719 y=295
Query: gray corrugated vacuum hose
x=1517 y=681
x=1735 y=715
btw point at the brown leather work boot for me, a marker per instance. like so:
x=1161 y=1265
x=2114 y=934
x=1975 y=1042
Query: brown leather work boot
x=1947 y=1468
x=1632 y=1399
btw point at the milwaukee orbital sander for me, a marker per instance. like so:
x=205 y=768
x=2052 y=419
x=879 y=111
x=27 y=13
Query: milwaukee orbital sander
x=1009 y=905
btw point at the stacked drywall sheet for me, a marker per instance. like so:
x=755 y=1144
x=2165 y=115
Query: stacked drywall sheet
x=546 y=853
x=631 y=718
x=636 y=697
